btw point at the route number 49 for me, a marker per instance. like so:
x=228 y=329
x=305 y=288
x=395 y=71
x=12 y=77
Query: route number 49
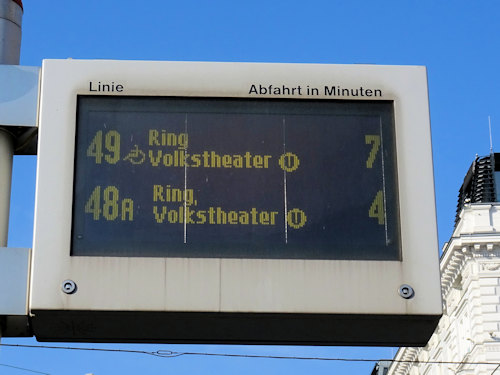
x=109 y=149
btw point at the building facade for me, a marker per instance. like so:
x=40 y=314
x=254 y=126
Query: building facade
x=468 y=334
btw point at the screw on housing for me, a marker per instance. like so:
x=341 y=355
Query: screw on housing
x=68 y=286
x=406 y=291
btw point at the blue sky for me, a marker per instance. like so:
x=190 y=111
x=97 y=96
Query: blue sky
x=457 y=41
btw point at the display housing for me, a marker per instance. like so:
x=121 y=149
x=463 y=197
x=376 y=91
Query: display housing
x=234 y=203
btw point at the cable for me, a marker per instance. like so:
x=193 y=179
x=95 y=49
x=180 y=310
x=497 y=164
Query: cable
x=24 y=369
x=173 y=354
x=170 y=354
x=82 y=349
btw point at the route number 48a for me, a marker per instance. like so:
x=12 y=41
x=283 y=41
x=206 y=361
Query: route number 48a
x=109 y=205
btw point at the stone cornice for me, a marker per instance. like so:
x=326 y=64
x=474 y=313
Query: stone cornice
x=476 y=238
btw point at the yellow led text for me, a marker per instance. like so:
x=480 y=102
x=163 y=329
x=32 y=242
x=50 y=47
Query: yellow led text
x=207 y=159
x=213 y=215
x=109 y=205
x=166 y=193
x=164 y=138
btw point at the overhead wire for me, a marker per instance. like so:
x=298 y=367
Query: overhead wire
x=24 y=369
x=495 y=370
x=174 y=354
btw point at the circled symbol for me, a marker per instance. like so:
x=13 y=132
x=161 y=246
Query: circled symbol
x=296 y=218
x=136 y=156
x=289 y=162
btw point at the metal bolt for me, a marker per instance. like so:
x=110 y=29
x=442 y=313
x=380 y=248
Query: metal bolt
x=406 y=291
x=68 y=286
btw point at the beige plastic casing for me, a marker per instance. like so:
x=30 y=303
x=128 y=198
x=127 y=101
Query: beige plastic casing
x=281 y=286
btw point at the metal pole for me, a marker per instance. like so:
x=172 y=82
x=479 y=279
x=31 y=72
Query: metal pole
x=11 y=13
x=6 y=155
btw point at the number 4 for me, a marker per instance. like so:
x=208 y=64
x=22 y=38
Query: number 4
x=93 y=205
x=95 y=148
x=377 y=208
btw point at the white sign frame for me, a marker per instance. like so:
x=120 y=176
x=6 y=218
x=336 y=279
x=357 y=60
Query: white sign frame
x=234 y=286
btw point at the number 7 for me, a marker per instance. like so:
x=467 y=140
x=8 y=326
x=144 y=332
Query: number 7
x=374 y=140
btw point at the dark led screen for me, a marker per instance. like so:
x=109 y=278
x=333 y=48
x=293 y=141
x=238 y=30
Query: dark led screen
x=235 y=178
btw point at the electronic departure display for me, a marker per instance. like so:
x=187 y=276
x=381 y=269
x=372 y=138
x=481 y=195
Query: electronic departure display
x=235 y=178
